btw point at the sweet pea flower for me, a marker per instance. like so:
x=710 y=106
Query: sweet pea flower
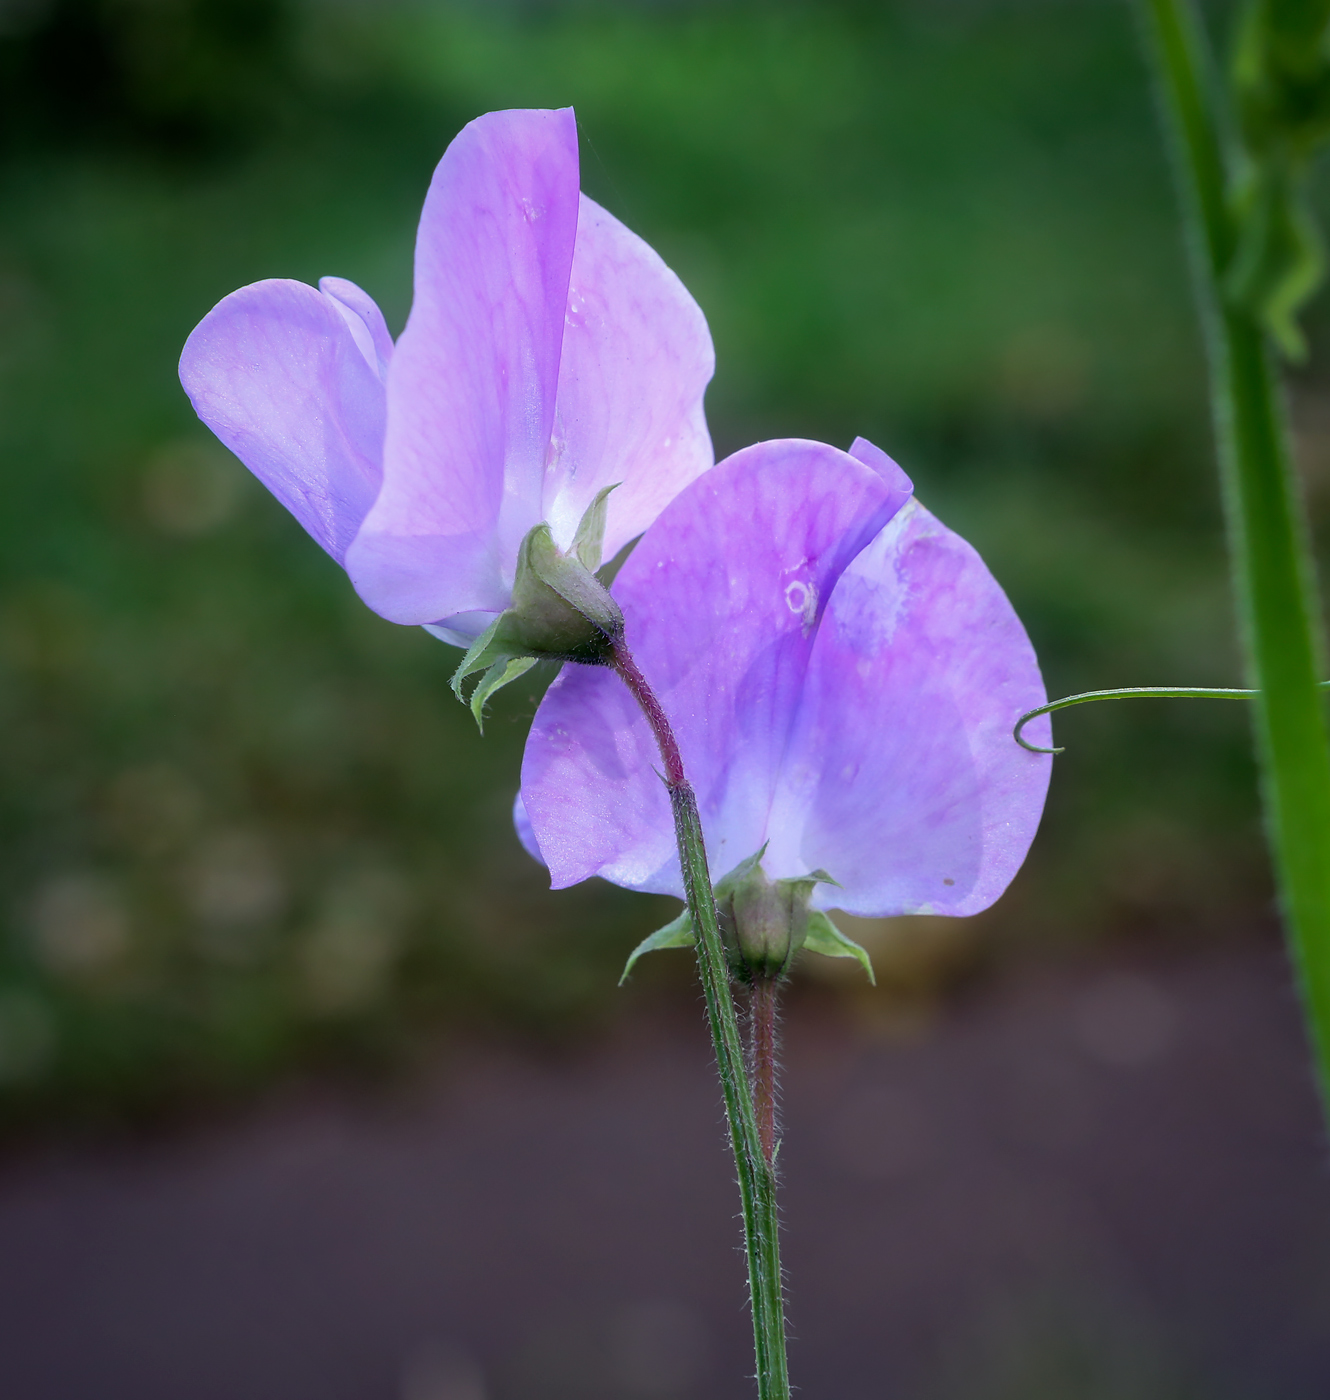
x=549 y=353
x=842 y=674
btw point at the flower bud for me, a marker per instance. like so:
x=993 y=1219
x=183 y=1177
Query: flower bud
x=764 y=922
x=560 y=611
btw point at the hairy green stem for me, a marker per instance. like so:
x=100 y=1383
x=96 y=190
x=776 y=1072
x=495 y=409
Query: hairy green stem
x=1268 y=537
x=757 y=1179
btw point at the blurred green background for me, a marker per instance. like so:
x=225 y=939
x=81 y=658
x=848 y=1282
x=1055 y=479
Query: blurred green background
x=243 y=825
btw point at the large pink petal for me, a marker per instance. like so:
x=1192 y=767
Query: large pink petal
x=276 y=372
x=637 y=357
x=722 y=600
x=472 y=382
x=902 y=778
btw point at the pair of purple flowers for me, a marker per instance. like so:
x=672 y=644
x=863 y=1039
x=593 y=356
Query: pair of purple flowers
x=840 y=669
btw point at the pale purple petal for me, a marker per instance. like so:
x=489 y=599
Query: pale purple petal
x=722 y=600
x=522 y=825
x=871 y=455
x=902 y=778
x=472 y=382
x=276 y=372
x=362 y=315
x=461 y=629
x=594 y=803
x=637 y=357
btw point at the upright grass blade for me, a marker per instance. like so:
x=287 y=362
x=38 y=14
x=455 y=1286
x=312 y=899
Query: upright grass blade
x=1268 y=538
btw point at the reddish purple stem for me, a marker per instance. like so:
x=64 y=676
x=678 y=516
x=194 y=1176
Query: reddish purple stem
x=636 y=682
x=763 y=1042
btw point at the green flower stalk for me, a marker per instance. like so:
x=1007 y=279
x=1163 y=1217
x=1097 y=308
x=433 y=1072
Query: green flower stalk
x=819 y=694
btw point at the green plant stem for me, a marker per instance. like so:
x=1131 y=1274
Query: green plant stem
x=1268 y=536
x=757 y=1179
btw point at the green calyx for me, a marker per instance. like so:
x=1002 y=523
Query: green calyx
x=560 y=611
x=764 y=923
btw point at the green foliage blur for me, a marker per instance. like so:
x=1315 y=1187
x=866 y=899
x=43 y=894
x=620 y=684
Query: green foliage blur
x=244 y=827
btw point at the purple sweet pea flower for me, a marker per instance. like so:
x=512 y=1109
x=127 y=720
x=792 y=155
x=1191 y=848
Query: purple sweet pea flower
x=549 y=353
x=842 y=673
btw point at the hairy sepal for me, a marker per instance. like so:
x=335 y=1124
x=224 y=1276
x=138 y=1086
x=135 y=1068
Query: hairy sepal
x=589 y=541
x=560 y=611
x=678 y=933
x=764 y=922
x=822 y=936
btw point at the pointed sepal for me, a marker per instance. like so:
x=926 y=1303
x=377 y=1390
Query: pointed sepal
x=498 y=656
x=559 y=604
x=743 y=872
x=488 y=648
x=589 y=541
x=502 y=673
x=824 y=937
x=804 y=884
x=678 y=933
x=560 y=611
x=764 y=922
